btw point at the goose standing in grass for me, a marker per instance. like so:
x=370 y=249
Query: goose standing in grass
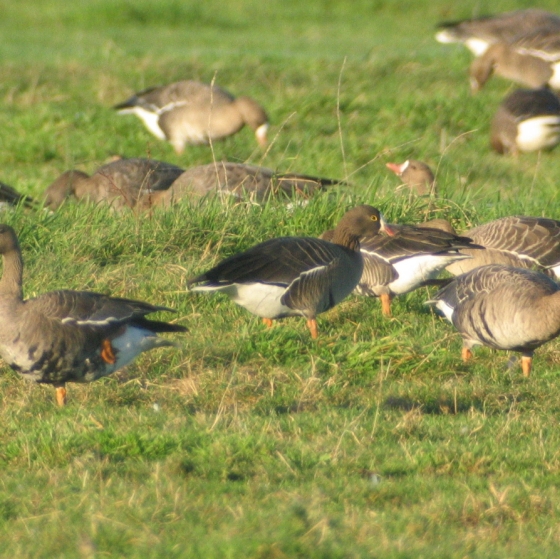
x=120 y=183
x=296 y=276
x=69 y=336
x=531 y=60
x=520 y=241
x=479 y=33
x=239 y=181
x=527 y=120
x=191 y=112
x=503 y=308
x=416 y=175
x=411 y=258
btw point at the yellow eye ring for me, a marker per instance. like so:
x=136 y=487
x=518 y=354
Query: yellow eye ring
x=374 y=218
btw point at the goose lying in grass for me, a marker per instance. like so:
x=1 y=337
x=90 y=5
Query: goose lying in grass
x=120 y=183
x=296 y=276
x=236 y=180
x=416 y=175
x=9 y=196
x=69 y=336
x=503 y=308
x=190 y=112
x=410 y=258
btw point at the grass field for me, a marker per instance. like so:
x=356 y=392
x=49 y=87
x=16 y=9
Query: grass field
x=374 y=441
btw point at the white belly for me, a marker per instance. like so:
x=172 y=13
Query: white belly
x=538 y=133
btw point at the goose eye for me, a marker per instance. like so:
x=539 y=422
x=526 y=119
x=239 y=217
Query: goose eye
x=374 y=218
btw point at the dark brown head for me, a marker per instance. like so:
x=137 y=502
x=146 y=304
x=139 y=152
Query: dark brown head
x=415 y=174
x=361 y=221
x=483 y=67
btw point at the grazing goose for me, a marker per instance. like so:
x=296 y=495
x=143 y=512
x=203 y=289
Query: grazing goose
x=9 y=196
x=416 y=175
x=411 y=258
x=479 y=33
x=69 y=336
x=520 y=241
x=503 y=308
x=298 y=276
x=239 y=181
x=119 y=183
x=527 y=120
x=190 y=112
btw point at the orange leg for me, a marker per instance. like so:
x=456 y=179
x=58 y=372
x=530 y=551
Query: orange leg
x=386 y=304
x=526 y=363
x=107 y=352
x=61 y=395
x=312 y=325
x=466 y=354
x=268 y=322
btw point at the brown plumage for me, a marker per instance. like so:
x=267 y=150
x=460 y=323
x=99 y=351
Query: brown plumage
x=239 y=181
x=191 y=112
x=527 y=120
x=503 y=308
x=299 y=276
x=479 y=33
x=120 y=184
x=69 y=336
x=521 y=241
x=416 y=175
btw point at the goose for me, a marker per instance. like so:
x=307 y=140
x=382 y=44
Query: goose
x=70 y=336
x=119 y=183
x=9 y=196
x=520 y=241
x=191 y=112
x=479 y=33
x=527 y=120
x=410 y=258
x=295 y=276
x=502 y=307
x=239 y=181
x=416 y=175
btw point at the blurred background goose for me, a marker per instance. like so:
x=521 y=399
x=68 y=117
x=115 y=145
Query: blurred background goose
x=527 y=120
x=521 y=241
x=299 y=276
x=410 y=258
x=191 y=112
x=69 y=336
x=415 y=175
x=239 y=181
x=503 y=308
x=9 y=196
x=478 y=34
x=532 y=60
x=120 y=183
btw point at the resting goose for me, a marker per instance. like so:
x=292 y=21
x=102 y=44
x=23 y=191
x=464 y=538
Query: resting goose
x=9 y=196
x=411 y=258
x=190 y=112
x=521 y=241
x=299 y=276
x=238 y=181
x=479 y=33
x=503 y=308
x=527 y=120
x=120 y=183
x=69 y=336
x=416 y=175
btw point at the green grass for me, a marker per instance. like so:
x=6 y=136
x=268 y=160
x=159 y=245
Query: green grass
x=374 y=441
